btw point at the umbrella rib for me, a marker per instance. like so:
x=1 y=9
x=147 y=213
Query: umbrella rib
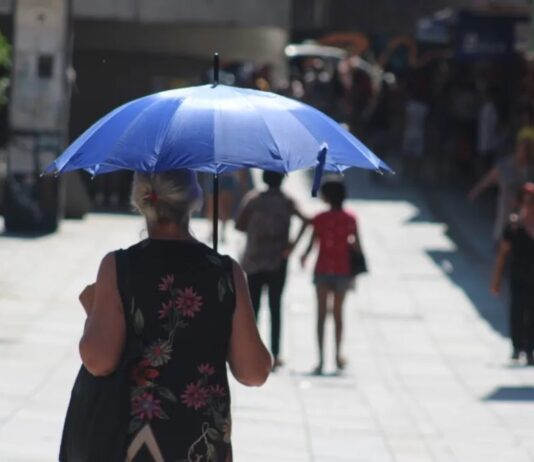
x=265 y=124
x=198 y=89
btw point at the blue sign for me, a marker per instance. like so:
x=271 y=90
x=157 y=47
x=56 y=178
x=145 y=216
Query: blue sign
x=481 y=36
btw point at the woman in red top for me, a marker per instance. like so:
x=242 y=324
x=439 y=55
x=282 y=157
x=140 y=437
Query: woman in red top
x=334 y=230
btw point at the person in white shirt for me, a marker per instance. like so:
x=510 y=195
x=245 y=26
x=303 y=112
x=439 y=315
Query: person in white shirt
x=487 y=131
x=413 y=144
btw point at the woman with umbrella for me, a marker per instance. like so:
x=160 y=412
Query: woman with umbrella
x=213 y=129
x=193 y=314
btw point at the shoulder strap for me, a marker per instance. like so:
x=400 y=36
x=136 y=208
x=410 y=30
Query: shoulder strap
x=124 y=285
x=229 y=267
x=133 y=347
x=123 y=276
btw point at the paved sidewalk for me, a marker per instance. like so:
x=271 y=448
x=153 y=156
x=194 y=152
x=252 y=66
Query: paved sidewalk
x=428 y=379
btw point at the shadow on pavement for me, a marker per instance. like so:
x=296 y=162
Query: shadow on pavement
x=459 y=270
x=469 y=267
x=511 y=394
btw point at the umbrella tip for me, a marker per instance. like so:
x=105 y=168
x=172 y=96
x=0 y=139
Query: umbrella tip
x=215 y=69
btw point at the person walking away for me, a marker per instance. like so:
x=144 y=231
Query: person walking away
x=508 y=174
x=265 y=217
x=488 y=131
x=517 y=244
x=333 y=230
x=413 y=143
x=193 y=314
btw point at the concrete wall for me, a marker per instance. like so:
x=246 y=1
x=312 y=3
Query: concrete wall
x=222 y=12
x=257 y=44
x=215 y=12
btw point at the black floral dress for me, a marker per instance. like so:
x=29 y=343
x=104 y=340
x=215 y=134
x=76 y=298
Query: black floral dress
x=182 y=304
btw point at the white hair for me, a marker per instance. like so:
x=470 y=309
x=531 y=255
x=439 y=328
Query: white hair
x=166 y=197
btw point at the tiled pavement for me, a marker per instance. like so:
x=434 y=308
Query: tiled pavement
x=428 y=378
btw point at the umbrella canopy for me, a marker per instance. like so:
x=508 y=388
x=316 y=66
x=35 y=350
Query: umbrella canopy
x=215 y=128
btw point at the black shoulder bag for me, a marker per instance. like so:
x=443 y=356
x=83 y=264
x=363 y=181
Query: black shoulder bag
x=96 y=425
x=358 y=265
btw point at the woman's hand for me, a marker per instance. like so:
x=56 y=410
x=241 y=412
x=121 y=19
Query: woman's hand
x=87 y=297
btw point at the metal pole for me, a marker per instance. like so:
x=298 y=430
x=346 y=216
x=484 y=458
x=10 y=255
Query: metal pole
x=215 y=217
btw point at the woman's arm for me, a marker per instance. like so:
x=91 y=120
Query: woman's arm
x=489 y=179
x=105 y=331
x=249 y=359
x=498 y=269
x=305 y=221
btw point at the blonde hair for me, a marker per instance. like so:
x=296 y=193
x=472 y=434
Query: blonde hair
x=166 y=197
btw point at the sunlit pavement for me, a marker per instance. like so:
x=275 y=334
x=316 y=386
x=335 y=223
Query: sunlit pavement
x=428 y=377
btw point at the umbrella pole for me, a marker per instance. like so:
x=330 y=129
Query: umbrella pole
x=216 y=175
x=215 y=217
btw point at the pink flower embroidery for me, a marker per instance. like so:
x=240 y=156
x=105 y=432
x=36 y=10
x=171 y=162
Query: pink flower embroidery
x=188 y=302
x=166 y=282
x=142 y=374
x=217 y=391
x=165 y=309
x=195 y=396
x=206 y=369
x=146 y=407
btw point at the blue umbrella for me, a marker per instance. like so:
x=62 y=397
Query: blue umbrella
x=215 y=129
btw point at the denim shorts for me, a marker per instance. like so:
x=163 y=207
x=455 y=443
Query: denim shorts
x=334 y=282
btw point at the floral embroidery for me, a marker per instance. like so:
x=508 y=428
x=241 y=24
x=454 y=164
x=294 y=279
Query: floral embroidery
x=158 y=353
x=188 y=302
x=165 y=309
x=177 y=309
x=143 y=373
x=146 y=407
x=217 y=391
x=166 y=283
x=206 y=369
x=195 y=395
x=208 y=397
x=147 y=394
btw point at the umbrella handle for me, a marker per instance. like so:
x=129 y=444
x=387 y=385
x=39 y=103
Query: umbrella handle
x=215 y=217
x=319 y=169
x=215 y=69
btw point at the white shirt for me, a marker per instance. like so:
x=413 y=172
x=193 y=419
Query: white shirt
x=487 y=128
x=416 y=112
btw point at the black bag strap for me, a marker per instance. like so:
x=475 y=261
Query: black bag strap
x=229 y=267
x=133 y=346
x=123 y=281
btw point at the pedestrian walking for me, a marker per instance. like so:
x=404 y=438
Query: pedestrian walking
x=265 y=217
x=517 y=244
x=188 y=310
x=488 y=136
x=334 y=231
x=413 y=143
x=508 y=174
